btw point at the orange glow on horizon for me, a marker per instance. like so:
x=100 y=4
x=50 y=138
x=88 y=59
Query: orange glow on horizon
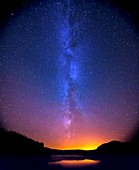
x=76 y=148
x=84 y=144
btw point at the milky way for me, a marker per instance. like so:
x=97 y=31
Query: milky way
x=70 y=38
x=70 y=73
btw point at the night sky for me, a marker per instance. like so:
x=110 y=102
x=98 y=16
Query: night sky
x=69 y=73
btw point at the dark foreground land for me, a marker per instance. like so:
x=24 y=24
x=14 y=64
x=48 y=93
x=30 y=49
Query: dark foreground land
x=18 y=152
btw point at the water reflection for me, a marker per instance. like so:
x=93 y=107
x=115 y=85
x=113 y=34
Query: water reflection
x=75 y=163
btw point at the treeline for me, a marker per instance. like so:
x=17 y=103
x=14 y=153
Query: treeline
x=12 y=143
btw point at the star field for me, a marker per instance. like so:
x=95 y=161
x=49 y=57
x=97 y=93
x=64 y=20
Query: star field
x=69 y=73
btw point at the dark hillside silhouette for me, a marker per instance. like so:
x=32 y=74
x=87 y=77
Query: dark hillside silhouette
x=117 y=147
x=12 y=143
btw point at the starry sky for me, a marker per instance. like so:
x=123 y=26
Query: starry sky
x=69 y=73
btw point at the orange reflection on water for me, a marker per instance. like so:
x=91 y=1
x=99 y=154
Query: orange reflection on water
x=75 y=163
